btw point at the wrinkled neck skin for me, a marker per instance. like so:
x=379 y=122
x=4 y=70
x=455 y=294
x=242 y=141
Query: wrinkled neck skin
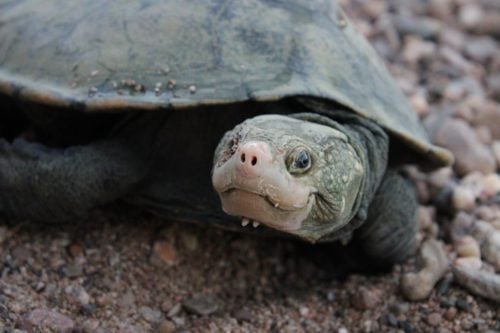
x=304 y=174
x=371 y=144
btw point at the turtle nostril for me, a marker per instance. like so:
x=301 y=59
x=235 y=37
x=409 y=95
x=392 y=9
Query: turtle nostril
x=243 y=157
x=254 y=160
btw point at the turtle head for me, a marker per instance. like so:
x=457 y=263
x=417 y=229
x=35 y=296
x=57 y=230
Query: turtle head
x=295 y=176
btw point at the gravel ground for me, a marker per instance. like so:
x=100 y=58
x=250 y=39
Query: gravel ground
x=123 y=270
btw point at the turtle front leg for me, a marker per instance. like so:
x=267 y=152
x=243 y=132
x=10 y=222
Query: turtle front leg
x=48 y=184
x=388 y=235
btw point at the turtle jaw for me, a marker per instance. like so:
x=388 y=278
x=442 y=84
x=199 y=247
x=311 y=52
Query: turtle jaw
x=256 y=209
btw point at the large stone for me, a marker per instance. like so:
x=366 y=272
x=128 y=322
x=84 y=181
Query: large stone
x=470 y=153
x=434 y=263
x=489 y=117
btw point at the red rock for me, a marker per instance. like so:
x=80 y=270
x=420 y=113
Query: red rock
x=434 y=319
x=166 y=252
x=365 y=299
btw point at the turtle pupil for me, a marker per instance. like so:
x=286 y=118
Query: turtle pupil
x=302 y=160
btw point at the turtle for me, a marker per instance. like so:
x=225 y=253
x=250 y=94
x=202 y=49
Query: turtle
x=266 y=116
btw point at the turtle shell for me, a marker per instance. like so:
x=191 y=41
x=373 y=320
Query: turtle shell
x=153 y=55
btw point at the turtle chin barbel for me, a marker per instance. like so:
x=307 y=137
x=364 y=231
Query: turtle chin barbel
x=136 y=114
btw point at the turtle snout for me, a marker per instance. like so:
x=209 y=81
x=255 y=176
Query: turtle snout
x=249 y=165
x=253 y=158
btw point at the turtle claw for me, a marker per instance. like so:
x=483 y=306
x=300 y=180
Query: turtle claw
x=255 y=224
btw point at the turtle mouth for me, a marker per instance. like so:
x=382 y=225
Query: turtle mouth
x=273 y=203
x=257 y=209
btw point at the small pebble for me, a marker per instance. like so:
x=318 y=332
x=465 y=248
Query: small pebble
x=470 y=14
x=441 y=177
x=75 y=250
x=127 y=300
x=461 y=225
x=88 y=309
x=175 y=310
x=489 y=239
x=407 y=327
x=491 y=184
x=434 y=319
x=83 y=297
x=450 y=313
x=467 y=246
x=190 y=241
x=165 y=251
x=481 y=48
x=45 y=320
x=486 y=213
x=419 y=104
x=446 y=302
x=484 y=134
x=201 y=305
x=471 y=262
x=392 y=320
x=496 y=151
x=73 y=270
x=488 y=115
x=150 y=315
x=462 y=305
x=463 y=199
x=365 y=298
x=243 y=315
x=425 y=216
x=416 y=49
x=400 y=308
x=443 y=286
x=167 y=326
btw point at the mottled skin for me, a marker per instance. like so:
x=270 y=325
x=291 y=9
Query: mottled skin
x=163 y=161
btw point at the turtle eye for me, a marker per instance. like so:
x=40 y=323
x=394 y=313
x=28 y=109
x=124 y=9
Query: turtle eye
x=299 y=161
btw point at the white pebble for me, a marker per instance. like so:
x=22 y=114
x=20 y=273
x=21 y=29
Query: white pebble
x=467 y=246
x=418 y=286
x=425 y=216
x=463 y=198
x=441 y=177
x=419 y=104
x=491 y=249
x=469 y=262
x=491 y=184
x=479 y=282
x=496 y=151
x=489 y=239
